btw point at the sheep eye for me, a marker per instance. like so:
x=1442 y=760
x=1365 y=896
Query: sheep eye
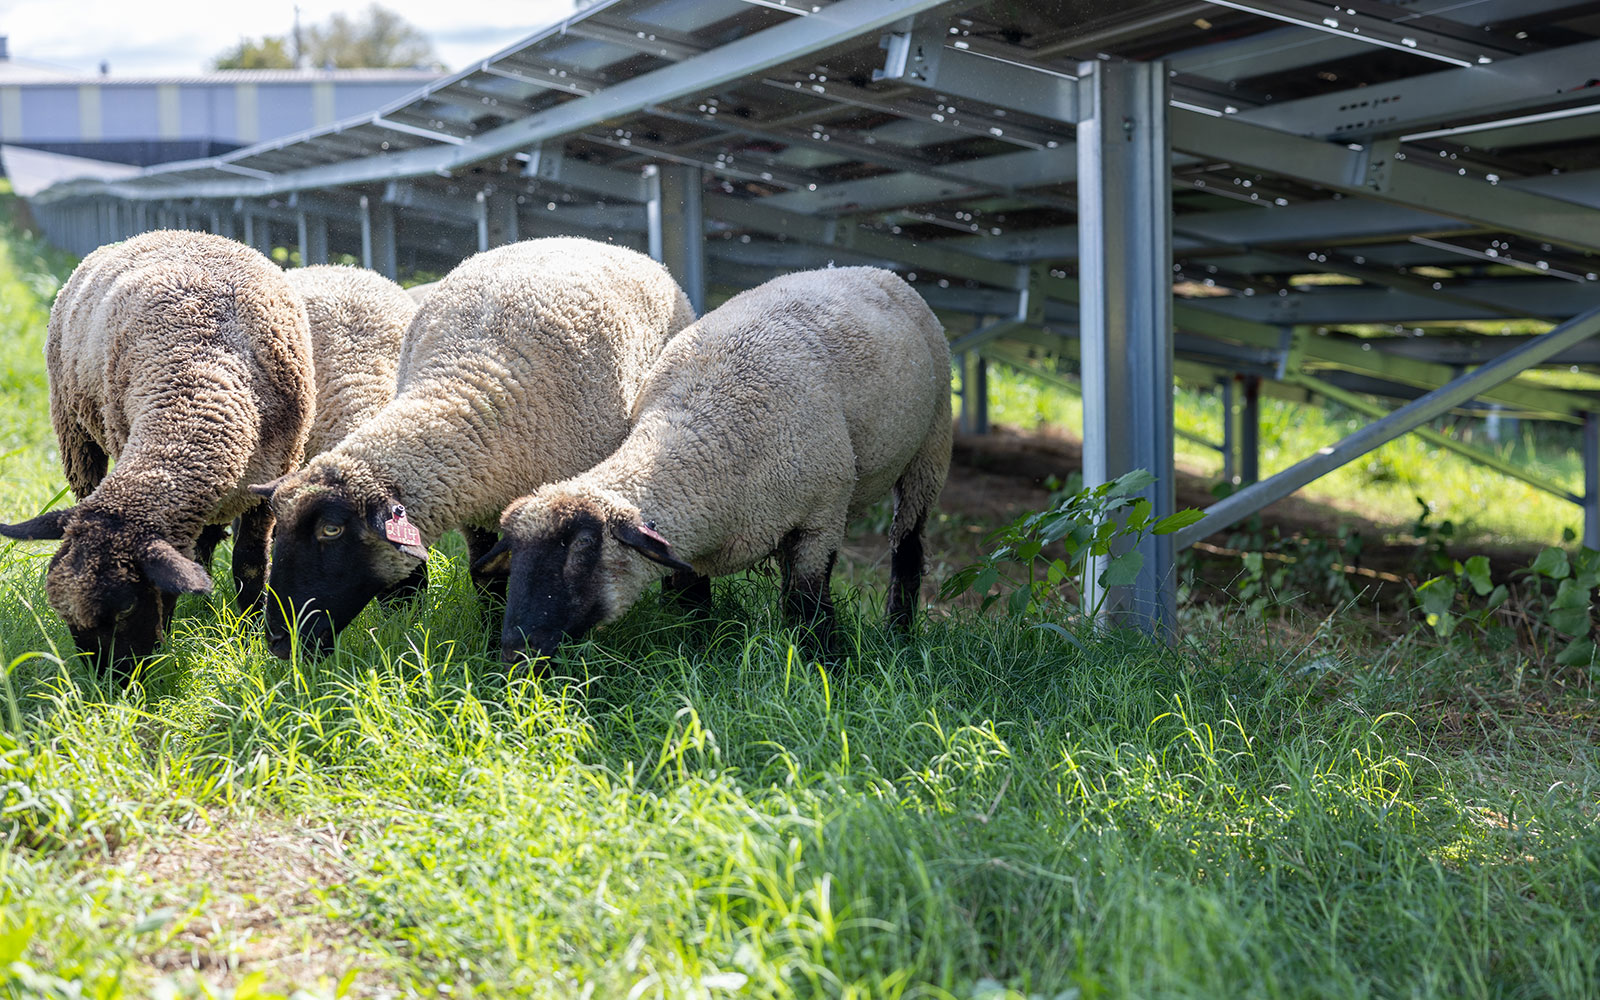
x=328 y=532
x=583 y=541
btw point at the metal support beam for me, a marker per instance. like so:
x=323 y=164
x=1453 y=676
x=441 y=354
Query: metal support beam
x=1228 y=512
x=313 y=232
x=377 y=238
x=1250 y=431
x=677 y=228
x=974 y=392
x=1381 y=172
x=1591 y=480
x=1125 y=288
x=500 y=210
x=1230 y=430
x=1488 y=459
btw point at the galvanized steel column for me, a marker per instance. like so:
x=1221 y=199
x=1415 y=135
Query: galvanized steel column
x=676 y=221
x=1250 y=432
x=313 y=235
x=1591 y=480
x=1125 y=310
x=377 y=237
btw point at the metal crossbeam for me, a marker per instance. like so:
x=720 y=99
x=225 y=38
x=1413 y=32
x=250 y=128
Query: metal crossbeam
x=1483 y=457
x=1376 y=173
x=1230 y=511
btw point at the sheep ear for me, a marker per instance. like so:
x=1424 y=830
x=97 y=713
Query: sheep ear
x=268 y=488
x=649 y=544
x=168 y=570
x=497 y=561
x=52 y=524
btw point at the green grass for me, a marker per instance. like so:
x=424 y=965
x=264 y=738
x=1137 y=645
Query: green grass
x=1384 y=485
x=694 y=810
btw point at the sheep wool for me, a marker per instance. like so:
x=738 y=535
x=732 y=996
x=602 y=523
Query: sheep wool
x=186 y=357
x=358 y=318
x=763 y=429
x=520 y=367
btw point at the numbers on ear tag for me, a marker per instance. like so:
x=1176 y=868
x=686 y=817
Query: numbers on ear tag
x=400 y=531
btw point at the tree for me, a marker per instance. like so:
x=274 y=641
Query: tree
x=377 y=38
x=256 y=53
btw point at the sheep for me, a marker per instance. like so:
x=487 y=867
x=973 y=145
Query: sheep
x=186 y=357
x=763 y=429
x=358 y=319
x=519 y=368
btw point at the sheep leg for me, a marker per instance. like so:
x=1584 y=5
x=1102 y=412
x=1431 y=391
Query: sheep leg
x=905 y=578
x=490 y=587
x=83 y=461
x=689 y=591
x=210 y=537
x=250 y=557
x=806 y=562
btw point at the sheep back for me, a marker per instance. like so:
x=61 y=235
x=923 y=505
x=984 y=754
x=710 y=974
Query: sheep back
x=191 y=352
x=520 y=367
x=358 y=318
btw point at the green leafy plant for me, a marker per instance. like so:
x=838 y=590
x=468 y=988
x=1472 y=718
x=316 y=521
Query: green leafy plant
x=1105 y=520
x=1273 y=566
x=1551 y=608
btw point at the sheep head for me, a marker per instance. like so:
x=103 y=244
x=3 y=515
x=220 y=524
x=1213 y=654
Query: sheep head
x=115 y=584
x=575 y=560
x=334 y=549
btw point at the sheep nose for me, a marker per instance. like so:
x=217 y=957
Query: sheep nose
x=512 y=653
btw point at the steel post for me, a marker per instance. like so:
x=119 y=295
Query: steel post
x=1250 y=431
x=1591 y=480
x=677 y=227
x=1125 y=310
x=1230 y=430
x=974 y=392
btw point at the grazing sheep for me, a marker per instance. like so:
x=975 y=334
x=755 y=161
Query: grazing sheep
x=520 y=367
x=763 y=429
x=358 y=318
x=186 y=358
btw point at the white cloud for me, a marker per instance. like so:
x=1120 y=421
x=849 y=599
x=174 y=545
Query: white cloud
x=180 y=37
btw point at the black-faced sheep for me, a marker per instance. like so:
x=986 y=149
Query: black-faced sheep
x=520 y=367
x=763 y=429
x=186 y=358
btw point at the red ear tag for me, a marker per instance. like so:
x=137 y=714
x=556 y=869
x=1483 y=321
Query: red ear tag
x=400 y=531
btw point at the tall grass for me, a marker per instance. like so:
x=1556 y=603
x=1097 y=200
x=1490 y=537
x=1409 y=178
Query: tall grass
x=690 y=809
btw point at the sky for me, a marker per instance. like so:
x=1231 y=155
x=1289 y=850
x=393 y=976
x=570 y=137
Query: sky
x=181 y=37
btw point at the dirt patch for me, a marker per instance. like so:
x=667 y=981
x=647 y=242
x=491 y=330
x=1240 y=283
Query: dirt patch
x=247 y=899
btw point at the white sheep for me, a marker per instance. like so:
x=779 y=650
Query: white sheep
x=763 y=429
x=358 y=319
x=186 y=358
x=520 y=367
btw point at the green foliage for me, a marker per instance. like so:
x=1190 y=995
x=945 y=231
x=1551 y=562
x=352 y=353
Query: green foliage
x=1275 y=569
x=269 y=52
x=1104 y=521
x=376 y=38
x=1549 y=613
